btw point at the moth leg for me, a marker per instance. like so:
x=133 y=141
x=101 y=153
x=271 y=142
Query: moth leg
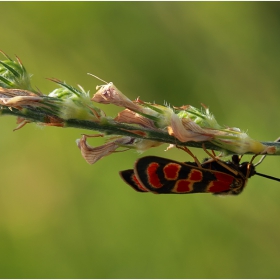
x=212 y=158
x=219 y=161
x=191 y=154
x=251 y=164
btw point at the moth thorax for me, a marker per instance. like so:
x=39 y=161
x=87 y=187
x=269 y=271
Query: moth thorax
x=247 y=168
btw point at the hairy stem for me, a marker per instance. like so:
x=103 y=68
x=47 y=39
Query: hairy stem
x=112 y=128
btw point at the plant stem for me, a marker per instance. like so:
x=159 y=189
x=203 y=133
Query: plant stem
x=113 y=128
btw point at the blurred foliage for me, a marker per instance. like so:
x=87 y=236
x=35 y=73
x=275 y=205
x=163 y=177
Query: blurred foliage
x=62 y=218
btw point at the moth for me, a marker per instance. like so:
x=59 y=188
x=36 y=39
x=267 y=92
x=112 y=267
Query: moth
x=165 y=176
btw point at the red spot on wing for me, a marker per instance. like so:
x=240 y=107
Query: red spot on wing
x=195 y=175
x=139 y=185
x=153 y=178
x=223 y=183
x=171 y=171
x=183 y=186
x=186 y=185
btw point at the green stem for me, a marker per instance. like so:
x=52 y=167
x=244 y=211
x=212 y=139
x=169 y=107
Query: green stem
x=113 y=128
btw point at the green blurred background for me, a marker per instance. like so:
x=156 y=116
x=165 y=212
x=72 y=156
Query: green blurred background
x=62 y=218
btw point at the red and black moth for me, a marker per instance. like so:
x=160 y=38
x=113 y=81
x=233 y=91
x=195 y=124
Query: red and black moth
x=164 y=176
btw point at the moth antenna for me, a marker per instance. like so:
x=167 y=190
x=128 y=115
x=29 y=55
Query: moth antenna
x=267 y=176
x=97 y=78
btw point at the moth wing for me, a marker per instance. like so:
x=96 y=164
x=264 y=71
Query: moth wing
x=129 y=177
x=165 y=176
